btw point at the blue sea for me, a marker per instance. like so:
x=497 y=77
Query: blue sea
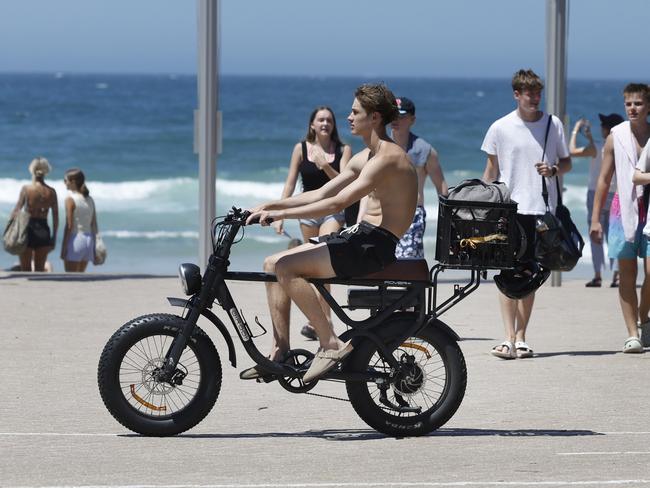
x=133 y=137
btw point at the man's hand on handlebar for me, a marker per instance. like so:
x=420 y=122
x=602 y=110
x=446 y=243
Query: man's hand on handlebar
x=262 y=217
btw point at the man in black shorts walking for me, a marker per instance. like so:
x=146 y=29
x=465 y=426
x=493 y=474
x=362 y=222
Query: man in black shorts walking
x=384 y=173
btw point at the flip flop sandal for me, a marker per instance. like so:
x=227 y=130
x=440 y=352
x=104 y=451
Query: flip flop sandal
x=523 y=350
x=595 y=283
x=632 y=345
x=509 y=354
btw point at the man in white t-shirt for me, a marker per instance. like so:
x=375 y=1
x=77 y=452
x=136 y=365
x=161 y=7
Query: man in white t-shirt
x=594 y=150
x=514 y=145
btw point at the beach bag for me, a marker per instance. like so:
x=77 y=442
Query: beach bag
x=15 y=234
x=475 y=190
x=100 y=251
x=559 y=244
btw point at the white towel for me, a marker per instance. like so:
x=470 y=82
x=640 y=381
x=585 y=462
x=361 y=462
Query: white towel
x=644 y=165
x=625 y=159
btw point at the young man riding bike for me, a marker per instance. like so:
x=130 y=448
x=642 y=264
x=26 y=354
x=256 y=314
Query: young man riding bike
x=384 y=173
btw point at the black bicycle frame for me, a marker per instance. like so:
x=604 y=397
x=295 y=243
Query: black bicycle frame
x=214 y=288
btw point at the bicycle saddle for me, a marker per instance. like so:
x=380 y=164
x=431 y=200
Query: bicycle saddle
x=406 y=269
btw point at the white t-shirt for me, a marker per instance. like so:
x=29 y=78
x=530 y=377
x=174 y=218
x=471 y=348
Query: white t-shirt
x=518 y=145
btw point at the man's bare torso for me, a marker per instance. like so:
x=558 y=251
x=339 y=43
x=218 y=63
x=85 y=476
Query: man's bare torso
x=391 y=205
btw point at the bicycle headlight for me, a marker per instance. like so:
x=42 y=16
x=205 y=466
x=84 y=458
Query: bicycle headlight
x=190 y=276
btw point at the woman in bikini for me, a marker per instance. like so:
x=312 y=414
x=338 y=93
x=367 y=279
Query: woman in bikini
x=318 y=158
x=38 y=198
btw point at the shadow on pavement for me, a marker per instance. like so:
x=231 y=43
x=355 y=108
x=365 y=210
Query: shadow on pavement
x=368 y=434
x=575 y=353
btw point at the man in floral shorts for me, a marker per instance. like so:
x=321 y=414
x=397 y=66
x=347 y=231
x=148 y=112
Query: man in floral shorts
x=425 y=160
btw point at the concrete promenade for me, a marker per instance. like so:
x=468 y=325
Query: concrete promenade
x=574 y=415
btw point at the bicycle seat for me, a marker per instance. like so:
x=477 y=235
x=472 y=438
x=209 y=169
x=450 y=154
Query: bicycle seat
x=406 y=269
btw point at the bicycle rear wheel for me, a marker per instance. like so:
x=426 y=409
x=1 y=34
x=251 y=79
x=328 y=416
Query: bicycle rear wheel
x=434 y=381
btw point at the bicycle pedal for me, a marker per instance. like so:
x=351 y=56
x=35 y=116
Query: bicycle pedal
x=265 y=379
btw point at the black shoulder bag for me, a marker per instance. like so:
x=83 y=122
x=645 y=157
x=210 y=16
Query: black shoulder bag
x=559 y=244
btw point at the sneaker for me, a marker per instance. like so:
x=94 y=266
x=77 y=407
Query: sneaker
x=309 y=332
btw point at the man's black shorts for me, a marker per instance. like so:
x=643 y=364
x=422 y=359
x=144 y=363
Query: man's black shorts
x=360 y=250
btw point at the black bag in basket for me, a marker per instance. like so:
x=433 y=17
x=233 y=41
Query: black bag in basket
x=559 y=244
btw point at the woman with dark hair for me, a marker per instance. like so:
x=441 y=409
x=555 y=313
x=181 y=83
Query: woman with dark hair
x=80 y=223
x=38 y=198
x=319 y=157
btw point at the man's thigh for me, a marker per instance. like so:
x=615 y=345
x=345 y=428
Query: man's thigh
x=306 y=261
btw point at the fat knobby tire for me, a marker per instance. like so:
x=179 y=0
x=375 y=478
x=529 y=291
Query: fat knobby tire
x=429 y=420
x=109 y=367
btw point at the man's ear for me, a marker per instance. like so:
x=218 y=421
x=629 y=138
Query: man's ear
x=376 y=119
x=516 y=94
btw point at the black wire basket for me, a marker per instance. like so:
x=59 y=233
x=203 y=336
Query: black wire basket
x=478 y=235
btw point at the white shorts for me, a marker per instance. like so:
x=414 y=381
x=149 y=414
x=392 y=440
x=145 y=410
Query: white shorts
x=81 y=247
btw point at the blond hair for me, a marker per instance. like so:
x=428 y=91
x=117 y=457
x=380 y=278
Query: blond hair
x=39 y=167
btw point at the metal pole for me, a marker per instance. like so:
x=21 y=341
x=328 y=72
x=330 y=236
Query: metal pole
x=205 y=121
x=556 y=63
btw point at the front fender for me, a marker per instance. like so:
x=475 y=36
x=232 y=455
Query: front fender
x=208 y=314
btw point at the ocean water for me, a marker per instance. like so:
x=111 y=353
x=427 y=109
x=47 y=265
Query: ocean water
x=132 y=135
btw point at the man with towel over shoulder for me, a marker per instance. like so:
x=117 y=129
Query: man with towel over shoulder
x=626 y=241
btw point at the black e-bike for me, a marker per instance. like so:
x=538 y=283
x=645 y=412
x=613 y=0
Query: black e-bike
x=160 y=374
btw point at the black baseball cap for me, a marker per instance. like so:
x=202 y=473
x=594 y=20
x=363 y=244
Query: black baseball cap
x=611 y=120
x=405 y=106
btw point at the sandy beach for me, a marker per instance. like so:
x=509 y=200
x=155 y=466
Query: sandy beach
x=572 y=415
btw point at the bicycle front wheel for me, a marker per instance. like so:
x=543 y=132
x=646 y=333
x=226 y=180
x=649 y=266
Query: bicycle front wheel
x=127 y=377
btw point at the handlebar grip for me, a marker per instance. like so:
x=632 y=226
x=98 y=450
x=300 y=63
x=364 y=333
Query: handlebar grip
x=256 y=220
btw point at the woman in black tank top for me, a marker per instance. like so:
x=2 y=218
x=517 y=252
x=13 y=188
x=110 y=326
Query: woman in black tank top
x=318 y=158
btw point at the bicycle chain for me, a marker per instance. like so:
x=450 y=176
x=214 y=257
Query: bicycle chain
x=327 y=396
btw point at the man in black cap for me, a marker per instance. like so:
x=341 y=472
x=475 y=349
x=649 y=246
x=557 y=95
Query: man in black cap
x=425 y=160
x=594 y=150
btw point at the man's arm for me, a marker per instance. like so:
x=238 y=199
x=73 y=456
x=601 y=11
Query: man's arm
x=434 y=170
x=333 y=203
x=602 y=187
x=642 y=172
x=588 y=151
x=491 y=172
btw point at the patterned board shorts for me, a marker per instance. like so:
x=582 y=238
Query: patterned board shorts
x=411 y=245
x=617 y=246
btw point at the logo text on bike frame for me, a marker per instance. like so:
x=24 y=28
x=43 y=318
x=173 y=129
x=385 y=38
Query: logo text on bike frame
x=239 y=323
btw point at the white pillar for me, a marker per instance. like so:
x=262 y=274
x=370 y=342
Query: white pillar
x=556 y=64
x=206 y=125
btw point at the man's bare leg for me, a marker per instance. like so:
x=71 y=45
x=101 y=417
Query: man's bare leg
x=644 y=302
x=524 y=310
x=291 y=268
x=508 y=314
x=280 y=308
x=627 y=294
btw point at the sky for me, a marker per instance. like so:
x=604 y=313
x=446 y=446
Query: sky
x=374 y=38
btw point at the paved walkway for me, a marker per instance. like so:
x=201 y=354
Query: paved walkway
x=575 y=415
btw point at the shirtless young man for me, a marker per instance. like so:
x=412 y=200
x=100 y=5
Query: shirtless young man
x=626 y=241
x=384 y=173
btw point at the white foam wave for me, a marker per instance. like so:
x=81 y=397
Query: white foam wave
x=156 y=234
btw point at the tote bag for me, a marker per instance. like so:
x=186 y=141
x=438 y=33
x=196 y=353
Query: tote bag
x=100 y=251
x=559 y=244
x=15 y=234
